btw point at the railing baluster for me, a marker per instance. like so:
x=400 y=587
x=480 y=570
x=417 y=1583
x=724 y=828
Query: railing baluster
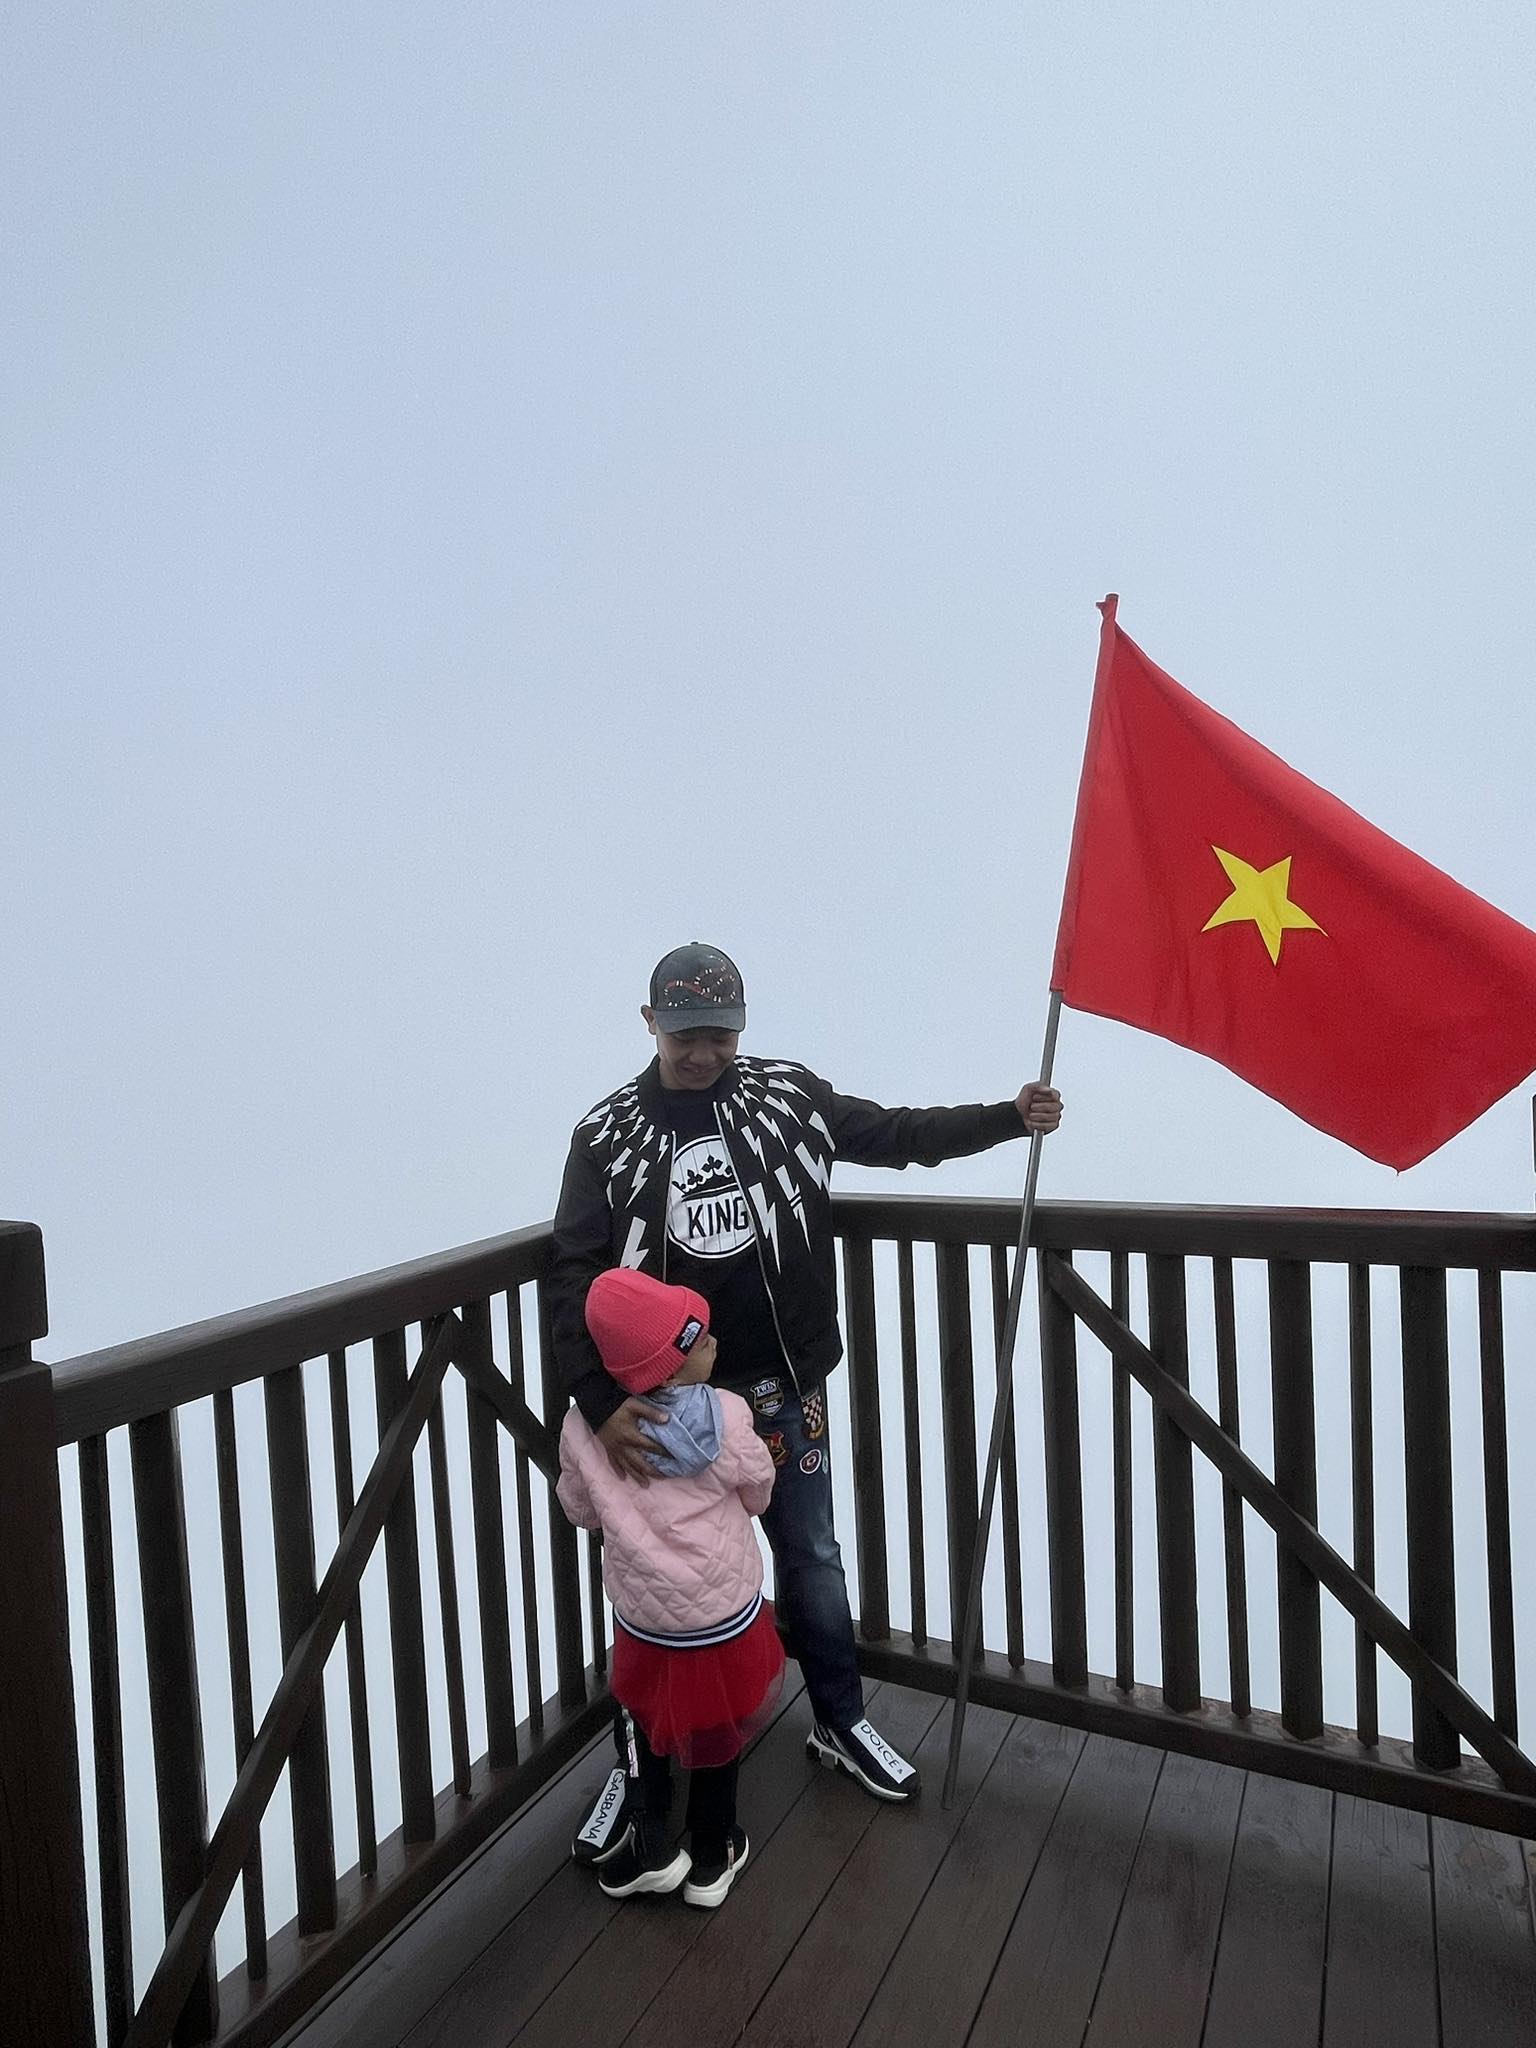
x=402 y=1571
x=1234 y=1549
x=293 y=1539
x=1427 y=1477
x=1013 y=1528
x=1501 y=1595
x=490 y=1548
x=1290 y=1353
x=1063 y=1485
x=597 y=1634
x=237 y=1630
x=528 y=1564
x=1125 y=1554
x=565 y=1570
x=1177 y=1582
x=912 y=1435
x=1362 y=1439
x=874 y=1608
x=357 y=1669
x=107 y=1738
x=448 y=1592
x=176 y=1728
x=958 y=1397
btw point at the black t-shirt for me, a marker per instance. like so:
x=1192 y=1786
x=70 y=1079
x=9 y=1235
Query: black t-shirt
x=710 y=1245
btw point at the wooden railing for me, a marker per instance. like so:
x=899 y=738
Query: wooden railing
x=392 y=1339
x=1181 y=1266
x=1102 y=1478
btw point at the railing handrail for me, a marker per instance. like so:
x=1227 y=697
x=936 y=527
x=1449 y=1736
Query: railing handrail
x=102 y=1390
x=1386 y=1237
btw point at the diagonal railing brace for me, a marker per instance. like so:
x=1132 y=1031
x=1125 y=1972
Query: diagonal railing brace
x=167 y=1990
x=513 y=1413
x=1514 y=1767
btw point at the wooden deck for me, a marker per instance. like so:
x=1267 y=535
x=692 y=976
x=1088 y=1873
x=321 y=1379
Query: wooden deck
x=1081 y=1891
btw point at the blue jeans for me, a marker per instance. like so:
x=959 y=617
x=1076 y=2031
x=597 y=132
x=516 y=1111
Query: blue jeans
x=810 y=1591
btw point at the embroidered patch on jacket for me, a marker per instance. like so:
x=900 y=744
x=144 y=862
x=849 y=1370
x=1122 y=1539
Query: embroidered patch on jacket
x=778 y=1450
x=811 y=1462
x=814 y=1407
x=767 y=1396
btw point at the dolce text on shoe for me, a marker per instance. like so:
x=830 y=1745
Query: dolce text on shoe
x=863 y=1752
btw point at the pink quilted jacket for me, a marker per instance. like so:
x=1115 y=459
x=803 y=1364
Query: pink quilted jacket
x=679 y=1553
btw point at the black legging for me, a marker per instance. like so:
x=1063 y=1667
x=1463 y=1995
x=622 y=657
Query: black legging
x=711 y=1795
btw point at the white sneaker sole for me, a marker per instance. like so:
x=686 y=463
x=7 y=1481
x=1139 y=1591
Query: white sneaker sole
x=714 y=1894
x=833 y=1759
x=667 y=1879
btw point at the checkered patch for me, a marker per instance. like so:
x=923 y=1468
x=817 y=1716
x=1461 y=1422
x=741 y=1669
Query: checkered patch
x=814 y=1407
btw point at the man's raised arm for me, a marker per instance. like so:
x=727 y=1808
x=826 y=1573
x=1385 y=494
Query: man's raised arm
x=870 y=1135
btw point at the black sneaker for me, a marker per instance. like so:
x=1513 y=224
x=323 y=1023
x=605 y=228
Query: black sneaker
x=601 y=1834
x=642 y=1862
x=708 y=1883
x=864 y=1754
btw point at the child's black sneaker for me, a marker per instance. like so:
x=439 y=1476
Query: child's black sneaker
x=643 y=1862
x=864 y=1753
x=709 y=1882
x=601 y=1834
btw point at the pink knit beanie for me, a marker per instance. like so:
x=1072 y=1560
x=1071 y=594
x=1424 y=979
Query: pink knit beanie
x=643 y=1328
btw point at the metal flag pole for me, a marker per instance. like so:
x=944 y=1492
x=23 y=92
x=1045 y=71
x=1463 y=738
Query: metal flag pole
x=1001 y=1413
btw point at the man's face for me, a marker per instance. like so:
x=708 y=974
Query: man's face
x=690 y=1059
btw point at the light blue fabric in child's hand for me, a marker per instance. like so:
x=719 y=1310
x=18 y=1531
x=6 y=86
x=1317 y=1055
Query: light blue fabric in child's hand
x=689 y=1439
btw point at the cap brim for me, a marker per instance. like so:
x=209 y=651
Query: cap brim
x=708 y=1017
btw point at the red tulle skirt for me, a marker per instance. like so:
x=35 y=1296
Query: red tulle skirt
x=701 y=1706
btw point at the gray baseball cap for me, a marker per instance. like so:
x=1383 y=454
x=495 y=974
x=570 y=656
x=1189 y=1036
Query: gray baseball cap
x=697 y=987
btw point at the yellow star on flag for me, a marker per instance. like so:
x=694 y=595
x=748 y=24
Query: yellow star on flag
x=1264 y=896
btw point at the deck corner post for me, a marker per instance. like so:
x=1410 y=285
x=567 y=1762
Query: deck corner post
x=45 y=1968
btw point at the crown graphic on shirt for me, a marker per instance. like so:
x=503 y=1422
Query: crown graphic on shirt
x=713 y=1173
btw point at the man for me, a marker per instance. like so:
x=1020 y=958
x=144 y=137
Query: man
x=714 y=1170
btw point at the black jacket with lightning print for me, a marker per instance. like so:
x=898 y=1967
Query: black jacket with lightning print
x=783 y=1127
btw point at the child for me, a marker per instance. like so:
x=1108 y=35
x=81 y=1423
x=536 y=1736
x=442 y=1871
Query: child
x=697 y=1662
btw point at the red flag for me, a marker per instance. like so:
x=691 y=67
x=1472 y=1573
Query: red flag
x=1216 y=897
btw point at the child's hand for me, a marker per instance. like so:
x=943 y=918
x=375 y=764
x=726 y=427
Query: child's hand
x=629 y=1448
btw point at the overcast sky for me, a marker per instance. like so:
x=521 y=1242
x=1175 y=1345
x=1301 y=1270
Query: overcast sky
x=497 y=490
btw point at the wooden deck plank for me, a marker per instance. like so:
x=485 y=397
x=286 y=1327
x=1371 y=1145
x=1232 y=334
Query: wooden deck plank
x=712 y=1996
x=395 y=1988
x=641 y=1947
x=527 y=1961
x=1267 y=1988
x=939 y=1975
x=531 y=1959
x=1089 y=1892
x=1379 y=1990
x=1051 y=1962
x=404 y=1979
x=1157 y=1975
x=1484 y=1939
x=820 y=1995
